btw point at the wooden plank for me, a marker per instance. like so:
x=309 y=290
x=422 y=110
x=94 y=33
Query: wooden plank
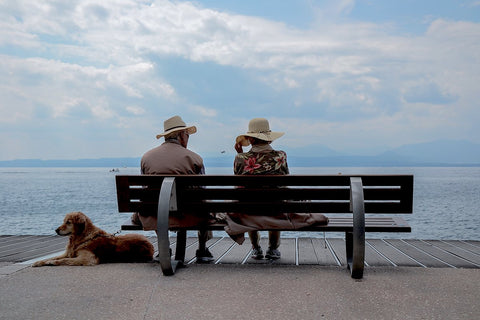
x=253 y=180
x=373 y=258
x=443 y=255
x=391 y=253
x=306 y=251
x=474 y=242
x=37 y=251
x=338 y=247
x=288 y=250
x=237 y=254
x=219 y=248
x=28 y=245
x=8 y=240
x=457 y=251
x=474 y=245
x=324 y=255
x=17 y=243
x=464 y=245
x=416 y=254
x=129 y=225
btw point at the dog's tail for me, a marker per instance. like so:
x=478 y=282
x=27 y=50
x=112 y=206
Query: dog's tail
x=141 y=251
x=133 y=248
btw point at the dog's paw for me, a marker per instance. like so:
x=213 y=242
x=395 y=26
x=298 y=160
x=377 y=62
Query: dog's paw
x=38 y=264
x=48 y=262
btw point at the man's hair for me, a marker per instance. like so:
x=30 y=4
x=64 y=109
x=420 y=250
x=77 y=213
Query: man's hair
x=173 y=135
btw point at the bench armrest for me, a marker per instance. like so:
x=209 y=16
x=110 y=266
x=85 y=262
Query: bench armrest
x=167 y=201
x=355 y=241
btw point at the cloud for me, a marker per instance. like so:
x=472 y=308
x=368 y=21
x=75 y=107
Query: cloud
x=203 y=112
x=62 y=87
x=135 y=110
x=474 y=4
x=427 y=93
x=124 y=65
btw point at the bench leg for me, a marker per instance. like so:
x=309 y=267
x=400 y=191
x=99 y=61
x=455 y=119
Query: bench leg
x=355 y=262
x=181 y=245
x=167 y=193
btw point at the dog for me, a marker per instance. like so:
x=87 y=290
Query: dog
x=89 y=245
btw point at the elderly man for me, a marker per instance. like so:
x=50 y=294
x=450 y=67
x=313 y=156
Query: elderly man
x=173 y=157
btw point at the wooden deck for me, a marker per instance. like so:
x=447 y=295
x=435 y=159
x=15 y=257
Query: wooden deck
x=295 y=251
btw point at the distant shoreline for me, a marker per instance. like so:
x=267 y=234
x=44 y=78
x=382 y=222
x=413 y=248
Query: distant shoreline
x=227 y=161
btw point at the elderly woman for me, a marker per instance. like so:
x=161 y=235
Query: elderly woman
x=261 y=159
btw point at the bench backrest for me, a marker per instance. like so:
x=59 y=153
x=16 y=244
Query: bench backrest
x=266 y=194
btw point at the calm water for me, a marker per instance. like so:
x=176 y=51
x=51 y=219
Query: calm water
x=35 y=200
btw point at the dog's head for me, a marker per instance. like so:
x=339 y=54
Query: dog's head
x=73 y=223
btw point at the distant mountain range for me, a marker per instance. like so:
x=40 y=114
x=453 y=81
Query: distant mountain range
x=441 y=151
x=437 y=153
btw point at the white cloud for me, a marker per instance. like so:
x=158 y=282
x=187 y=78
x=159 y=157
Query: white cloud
x=138 y=79
x=203 y=111
x=60 y=88
x=474 y=4
x=135 y=110
x=93 y=61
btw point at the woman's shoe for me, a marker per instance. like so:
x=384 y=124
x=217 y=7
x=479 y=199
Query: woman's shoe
x=257 y=253
x=273 y=254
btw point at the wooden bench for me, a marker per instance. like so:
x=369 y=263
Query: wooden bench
x=177 y=199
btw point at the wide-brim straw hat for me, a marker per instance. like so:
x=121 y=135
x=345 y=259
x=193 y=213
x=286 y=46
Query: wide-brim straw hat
x=258 y=128
x=173 y=124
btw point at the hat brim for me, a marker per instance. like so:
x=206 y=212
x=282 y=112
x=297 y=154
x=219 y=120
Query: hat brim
x=190 y=130
x=264 y=136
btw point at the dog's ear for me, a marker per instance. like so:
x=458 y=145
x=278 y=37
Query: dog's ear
x=79 y=221
x=79 y=228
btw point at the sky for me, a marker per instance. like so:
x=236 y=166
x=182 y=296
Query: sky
x=95 y=79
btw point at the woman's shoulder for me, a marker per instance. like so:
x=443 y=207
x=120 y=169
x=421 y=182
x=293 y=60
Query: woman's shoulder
x=278 y=153
x=244 y=155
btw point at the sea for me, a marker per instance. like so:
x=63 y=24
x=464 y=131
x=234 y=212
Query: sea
x=34 y=201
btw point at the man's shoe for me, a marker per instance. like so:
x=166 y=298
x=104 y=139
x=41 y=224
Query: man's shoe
x=257 y=253
x=204 y=256
x=273 y=254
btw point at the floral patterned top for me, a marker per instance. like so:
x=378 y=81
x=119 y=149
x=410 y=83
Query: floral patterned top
x=265 y=162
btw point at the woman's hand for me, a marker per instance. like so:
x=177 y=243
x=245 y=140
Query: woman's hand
x=238 y=147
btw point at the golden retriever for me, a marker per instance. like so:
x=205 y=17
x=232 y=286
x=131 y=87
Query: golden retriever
x=89 y=245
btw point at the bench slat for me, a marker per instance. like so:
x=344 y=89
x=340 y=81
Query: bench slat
x=387 y=193
x=292 y=180
x=150 y=208
x=372 y=224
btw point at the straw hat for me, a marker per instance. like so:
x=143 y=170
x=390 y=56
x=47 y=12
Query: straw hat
x=173 y=124
x=260 y=129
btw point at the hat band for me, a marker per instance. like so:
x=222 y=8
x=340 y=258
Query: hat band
x=268 y=131
x=175 y=128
